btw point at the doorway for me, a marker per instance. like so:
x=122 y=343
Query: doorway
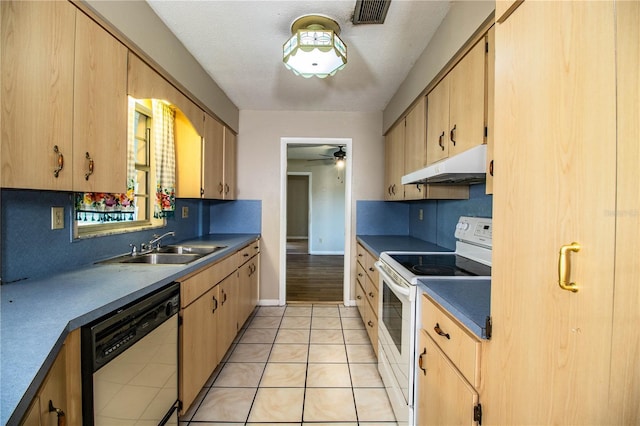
x=315 y=268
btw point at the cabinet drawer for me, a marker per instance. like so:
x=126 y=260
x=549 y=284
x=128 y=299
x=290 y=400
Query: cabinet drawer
x=196 y=285
x=461 y=347
x=371 y=325
x=360 y=300
x=372 y=295
x=361 y=254
x=361 y=275
x=371 y=267
x=248 y=252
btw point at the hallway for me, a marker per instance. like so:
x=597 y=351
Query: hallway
x=296 y=365
x=313 y=278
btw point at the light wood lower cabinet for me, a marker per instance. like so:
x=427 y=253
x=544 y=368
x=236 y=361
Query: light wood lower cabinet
x=199 y=353
x=367 y=293
x=62 y=386
x=215 y=302
x=446 y=398
x=248 y=275
x=447 y=370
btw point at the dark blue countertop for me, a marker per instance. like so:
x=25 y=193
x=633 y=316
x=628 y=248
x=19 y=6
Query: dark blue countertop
x=467 y=300
x=37 y=315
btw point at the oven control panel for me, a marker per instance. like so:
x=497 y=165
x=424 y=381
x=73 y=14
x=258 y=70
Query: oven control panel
x=474 y=230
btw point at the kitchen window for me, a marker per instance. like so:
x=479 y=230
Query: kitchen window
x=107 y=213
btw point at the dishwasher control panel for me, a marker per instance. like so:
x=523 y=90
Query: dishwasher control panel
x=113 y=333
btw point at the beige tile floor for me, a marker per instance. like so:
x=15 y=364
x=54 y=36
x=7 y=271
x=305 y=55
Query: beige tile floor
x=296 y=365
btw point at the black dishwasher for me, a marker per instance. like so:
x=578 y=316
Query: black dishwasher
x=130 y=363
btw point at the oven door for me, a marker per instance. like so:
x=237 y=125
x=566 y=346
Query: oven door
x=396 y=334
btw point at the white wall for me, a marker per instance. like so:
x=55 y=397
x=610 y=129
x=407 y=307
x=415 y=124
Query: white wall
x=327 y=206
x=259 y=169
x=462 y=20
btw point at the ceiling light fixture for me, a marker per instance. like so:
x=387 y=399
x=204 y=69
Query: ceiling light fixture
x=314 y=48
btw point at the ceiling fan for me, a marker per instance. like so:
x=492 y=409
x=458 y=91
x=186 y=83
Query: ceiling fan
x=339 y=155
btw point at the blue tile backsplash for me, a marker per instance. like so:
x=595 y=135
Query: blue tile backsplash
x=30 y=249
x=438 y=222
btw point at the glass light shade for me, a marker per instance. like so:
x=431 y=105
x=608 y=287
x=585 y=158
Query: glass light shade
x=314 y=51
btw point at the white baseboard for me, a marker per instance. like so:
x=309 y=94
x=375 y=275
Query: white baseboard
x=268 y=302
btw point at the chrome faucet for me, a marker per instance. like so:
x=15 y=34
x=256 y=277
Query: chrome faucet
x=155 y=243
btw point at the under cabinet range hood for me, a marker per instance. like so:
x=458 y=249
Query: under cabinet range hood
x=467 y=167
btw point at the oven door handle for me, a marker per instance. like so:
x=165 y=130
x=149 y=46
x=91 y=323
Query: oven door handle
x=389 y=281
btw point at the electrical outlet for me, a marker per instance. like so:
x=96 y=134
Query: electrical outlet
x=185 y=212
x=420 y=214
x=57 y=217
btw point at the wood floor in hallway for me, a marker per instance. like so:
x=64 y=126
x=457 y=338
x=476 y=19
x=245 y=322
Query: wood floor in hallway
x=313 y=278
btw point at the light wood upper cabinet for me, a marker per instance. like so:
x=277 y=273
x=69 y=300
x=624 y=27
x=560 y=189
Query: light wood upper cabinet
x=405 y=152
x=230 y=142
x=566 y=136
x=213 y=161
x=456 y=108
x=394 y=162
x=189 y=150
x=415 y=146
x=37 y=49
x=100 y=110
x=490 y=101
x=64 y=108
x=438 y=122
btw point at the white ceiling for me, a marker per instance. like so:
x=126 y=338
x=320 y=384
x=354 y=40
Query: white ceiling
x=239 y=43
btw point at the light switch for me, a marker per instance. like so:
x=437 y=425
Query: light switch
x=420 y=214
x=57 y=217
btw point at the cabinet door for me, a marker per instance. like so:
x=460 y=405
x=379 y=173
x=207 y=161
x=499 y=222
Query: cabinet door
x=444 y=396
x=394 y=162
x=228 y=326
x=189 y=147
x=438 y=122
x=466 y=101
x=37 y=94
x=255 y=284
x=415 y=147
x=229 y=164
x=212 y=163
x=625 y=381
x=100 y=110
x=198 y=345
x=555 y=145
x=490 y=91
x=244 y=291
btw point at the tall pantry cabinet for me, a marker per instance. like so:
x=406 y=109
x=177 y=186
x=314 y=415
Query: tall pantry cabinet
x=566 y=154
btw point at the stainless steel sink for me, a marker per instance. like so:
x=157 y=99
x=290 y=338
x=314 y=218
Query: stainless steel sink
x=161 y=258
x=180 y=249
x=167 y=255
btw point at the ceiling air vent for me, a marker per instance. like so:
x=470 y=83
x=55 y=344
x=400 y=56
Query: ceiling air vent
x=370 y=11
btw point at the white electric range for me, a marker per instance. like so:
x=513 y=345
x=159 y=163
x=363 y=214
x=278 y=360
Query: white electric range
x=399 y=275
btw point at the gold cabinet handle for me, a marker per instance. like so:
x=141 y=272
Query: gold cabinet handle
x=220 y=188
x=90 y=168
x=439 y=331
x=370 y=323
x=564 y=267
x=441 y=141
x=420 y=362
x=452 y=135
x=60 y=166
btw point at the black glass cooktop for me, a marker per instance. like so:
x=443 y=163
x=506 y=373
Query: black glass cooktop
x=442 y=265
